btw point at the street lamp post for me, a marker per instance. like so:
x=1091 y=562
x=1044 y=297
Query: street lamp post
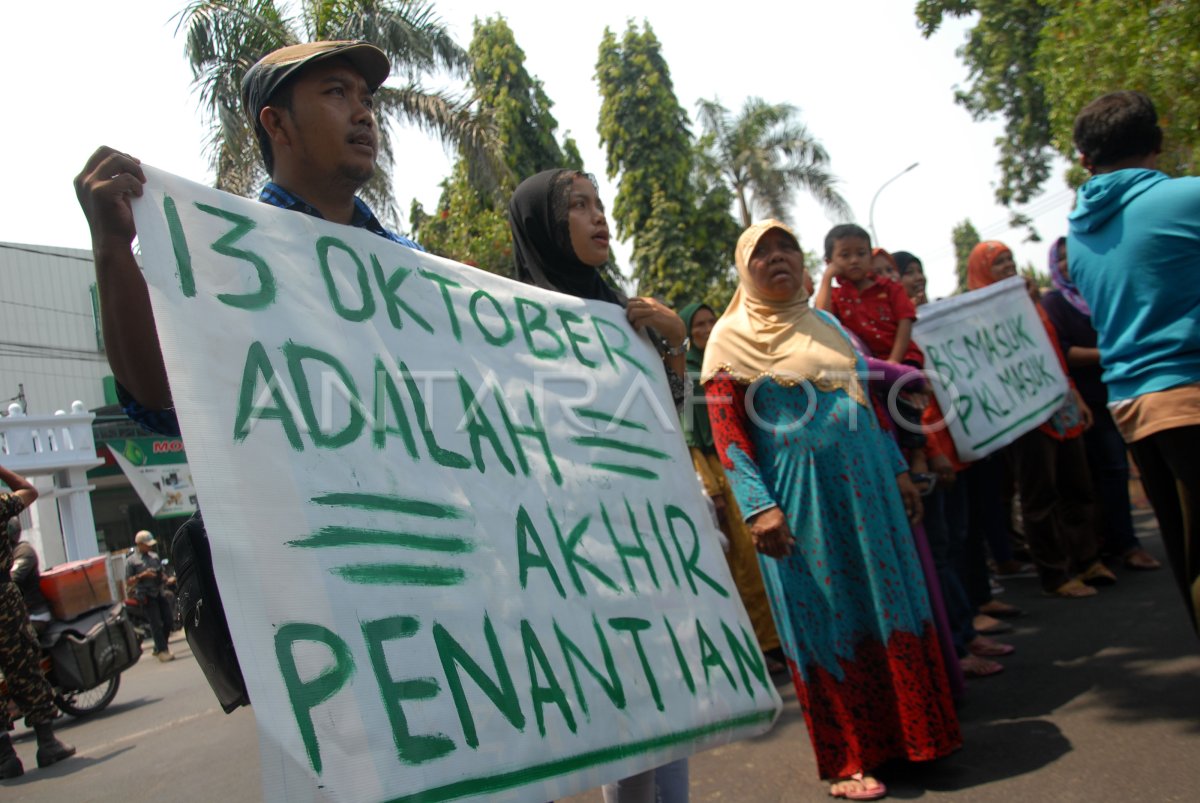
x=871 y=213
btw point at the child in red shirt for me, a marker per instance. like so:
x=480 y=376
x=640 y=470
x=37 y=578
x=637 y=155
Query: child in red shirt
x=867 y=302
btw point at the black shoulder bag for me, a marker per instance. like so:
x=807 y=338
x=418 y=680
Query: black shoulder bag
x=204 y=623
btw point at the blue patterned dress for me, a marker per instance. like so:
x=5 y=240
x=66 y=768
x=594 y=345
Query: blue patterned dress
x=850 y=602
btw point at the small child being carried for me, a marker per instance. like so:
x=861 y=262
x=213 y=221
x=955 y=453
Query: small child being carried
x=865 y=300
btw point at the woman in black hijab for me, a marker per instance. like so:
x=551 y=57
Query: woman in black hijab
x=560 y=240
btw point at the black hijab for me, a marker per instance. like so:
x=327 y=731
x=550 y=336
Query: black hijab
x=903 y=260
x=537 y=215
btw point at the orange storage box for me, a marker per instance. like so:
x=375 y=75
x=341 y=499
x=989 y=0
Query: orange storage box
x=74 y=588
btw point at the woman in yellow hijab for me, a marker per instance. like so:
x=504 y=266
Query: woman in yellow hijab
x=830 y=505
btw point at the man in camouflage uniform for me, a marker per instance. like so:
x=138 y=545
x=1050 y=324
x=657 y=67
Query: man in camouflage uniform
x=19 y=651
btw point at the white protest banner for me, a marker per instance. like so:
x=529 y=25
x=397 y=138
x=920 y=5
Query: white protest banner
x=992 y=367
x=457 y=533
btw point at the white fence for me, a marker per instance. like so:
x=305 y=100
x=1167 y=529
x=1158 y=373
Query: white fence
x=60 y=446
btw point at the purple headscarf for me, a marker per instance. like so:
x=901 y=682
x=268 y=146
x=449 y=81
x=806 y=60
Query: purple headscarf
x=1063 y=284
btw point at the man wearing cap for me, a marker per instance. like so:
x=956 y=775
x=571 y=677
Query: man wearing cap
x=144 y=578
x=312 y=110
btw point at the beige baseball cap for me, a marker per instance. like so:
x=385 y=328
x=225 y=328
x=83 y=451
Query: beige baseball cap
x=272 y=70
x=144 y=537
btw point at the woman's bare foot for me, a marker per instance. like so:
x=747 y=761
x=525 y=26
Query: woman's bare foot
x=1000 y=609
x=989 y=625
x=1073 y=589
x=984 y=646
x=973 y=666
x=1141 y=560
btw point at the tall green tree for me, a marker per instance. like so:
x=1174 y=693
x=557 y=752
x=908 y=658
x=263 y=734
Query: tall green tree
x=1036 y=63
x=1094 y=46
x=1040 y=278
x=471 y=223
x=1001 y=59
x=965 y=237
x=223 y=38
x=682 y=231
x=764 y=154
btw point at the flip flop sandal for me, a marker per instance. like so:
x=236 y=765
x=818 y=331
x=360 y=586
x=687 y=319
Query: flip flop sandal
x=874 y=793
x=1098 y=575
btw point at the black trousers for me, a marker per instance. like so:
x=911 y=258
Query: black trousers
x=160 y=616
x=1056 y=505
x=1170 y=465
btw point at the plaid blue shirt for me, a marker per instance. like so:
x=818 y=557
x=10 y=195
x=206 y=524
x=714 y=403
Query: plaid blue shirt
x=363 y=218
x=164 y=422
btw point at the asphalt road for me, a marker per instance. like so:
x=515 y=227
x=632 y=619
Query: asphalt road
x=1101 y=702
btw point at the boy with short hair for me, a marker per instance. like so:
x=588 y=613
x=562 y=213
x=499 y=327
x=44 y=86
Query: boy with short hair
x=867 y=303
x=1134 y=254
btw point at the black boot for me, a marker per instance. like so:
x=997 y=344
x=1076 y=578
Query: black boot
x=10 y=764
x=50 y=749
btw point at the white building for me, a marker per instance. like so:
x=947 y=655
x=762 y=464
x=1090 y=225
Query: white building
x=51 y=349
x=51 y=355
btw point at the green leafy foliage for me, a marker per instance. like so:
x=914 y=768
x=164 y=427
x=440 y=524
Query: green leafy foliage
x=1090 y=47
x=223 y=38
x=763 y=155
x=1040 y=278
x=1036 y=63
x=468 y=226
x=1000 y=55
x=471 y=221
x=678 y=219
x=965 y=237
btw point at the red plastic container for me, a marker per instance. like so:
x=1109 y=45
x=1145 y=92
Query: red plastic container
x=74 y=588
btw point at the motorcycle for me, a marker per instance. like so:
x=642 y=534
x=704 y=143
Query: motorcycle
x=83 y=659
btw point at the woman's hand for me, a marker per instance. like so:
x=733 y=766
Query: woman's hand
x=771 y=534
x=1085 y=412
x=911 y=498
x=944 y=469
x=722 y=511
x=643 y=312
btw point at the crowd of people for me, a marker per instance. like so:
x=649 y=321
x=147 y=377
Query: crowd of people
x=866 y=555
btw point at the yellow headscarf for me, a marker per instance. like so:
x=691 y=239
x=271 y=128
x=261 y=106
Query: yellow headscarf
x=785 y=341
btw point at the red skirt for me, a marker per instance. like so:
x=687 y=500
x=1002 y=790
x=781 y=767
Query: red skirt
x=893 y=702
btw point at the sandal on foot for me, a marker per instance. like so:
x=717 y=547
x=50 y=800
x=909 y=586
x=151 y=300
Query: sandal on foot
x=990 y=648
x=1072 y=589
x=988 y=626
x=974 y=666
x=1001 y=610
x=862 y=792
x=1140 y=560
x=1098 y=575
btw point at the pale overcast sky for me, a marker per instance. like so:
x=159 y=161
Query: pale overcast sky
x=877 y=95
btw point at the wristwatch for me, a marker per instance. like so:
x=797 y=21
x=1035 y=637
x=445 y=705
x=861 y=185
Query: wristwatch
x=679 y=350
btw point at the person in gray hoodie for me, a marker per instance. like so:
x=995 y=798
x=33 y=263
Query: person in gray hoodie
x=1134 y=253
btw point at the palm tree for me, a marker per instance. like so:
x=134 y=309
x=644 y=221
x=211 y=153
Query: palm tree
x=223 y=38
x=764 y=155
